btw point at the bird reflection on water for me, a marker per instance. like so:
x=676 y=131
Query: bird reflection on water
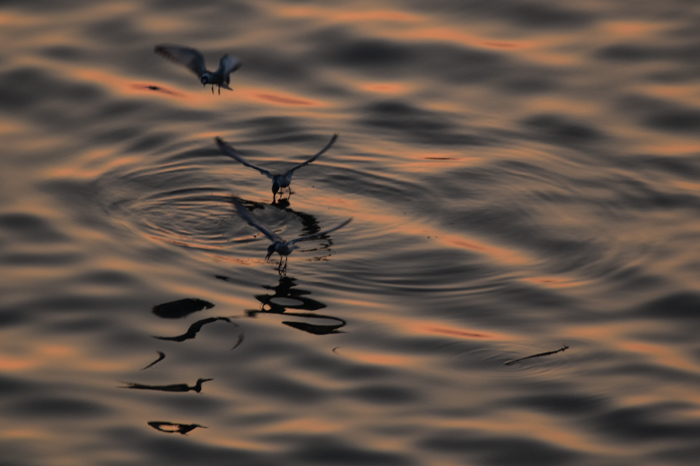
x=179 y=387
x=287 y=296
x=279 y=245
x=174 y=428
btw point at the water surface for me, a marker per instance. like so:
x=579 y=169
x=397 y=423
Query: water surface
x=522 y=177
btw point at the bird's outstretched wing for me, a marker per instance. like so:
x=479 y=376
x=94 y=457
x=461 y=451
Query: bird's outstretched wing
x=185 y=56
x=245 y=215
x=231 y=152
x=228 y=64
x=328 y=146
x=320 y=233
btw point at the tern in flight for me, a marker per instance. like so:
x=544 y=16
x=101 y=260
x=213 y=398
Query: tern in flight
x=279 y=180
x=194 y=60
x=279 y=245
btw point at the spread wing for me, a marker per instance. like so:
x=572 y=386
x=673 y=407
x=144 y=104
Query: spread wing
x=185 y=56
x=245 y=215
x=328 y=146
x=320 y=233
x=231 y=152
x=228 y=64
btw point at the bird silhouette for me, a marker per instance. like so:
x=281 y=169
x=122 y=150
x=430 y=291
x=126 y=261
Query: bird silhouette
x=279 y=245
x=279 y=180
x=194 y=60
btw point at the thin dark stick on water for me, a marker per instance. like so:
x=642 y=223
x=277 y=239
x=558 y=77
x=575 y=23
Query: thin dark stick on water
x=510 y=363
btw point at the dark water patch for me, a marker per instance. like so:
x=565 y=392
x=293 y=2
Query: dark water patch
x=12 y=317
x=413 y=123
x=661 y=114
x=524 y=85
x=631 y=53
x=21 y=90
x=58 y=407
x=268 y=129
x=637 y=195
x=115 y=30
x=375 y=185
x=687 y=167
x=371 y=53
x=181 y=308
x=30 y=228
x=325 y=450
x=10 y=386
x=172 y=450
x=41 y=259
x=560 y=129
x=462 y=65
x=282 y=389
x=272 y=66
x=543 y=15
x=683 y=305
x=676 y=119
x=64 y=52
x=677 y=454
x=108 y=278
x=499 y=450
x=647 y=423
x=562 y=404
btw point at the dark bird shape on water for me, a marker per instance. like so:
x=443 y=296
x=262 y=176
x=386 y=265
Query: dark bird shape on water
x=279 y=180
x=194 y=60
x=279 y=245
x=179 y=387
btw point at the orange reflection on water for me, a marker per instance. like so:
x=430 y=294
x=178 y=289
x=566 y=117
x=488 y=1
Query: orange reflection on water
x=550 y=281
x=663 y=355
x=383 y=359
x=497 y=253
x=626 y=29
x=280 y=99
x=455 y=332
x=330 y=14
x=385 y=87
x=15 y=363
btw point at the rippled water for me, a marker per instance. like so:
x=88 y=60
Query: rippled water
x=523 y=178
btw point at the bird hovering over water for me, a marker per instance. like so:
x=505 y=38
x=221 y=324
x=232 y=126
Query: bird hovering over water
x=194 y=60
x=279 y=245
x=279 y=180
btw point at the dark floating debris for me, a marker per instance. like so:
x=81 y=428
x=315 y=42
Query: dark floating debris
x=151 y=87
x=160 y=358
x=181 y=308
x=174 y=428
x=510 y=363
x=180 y=387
